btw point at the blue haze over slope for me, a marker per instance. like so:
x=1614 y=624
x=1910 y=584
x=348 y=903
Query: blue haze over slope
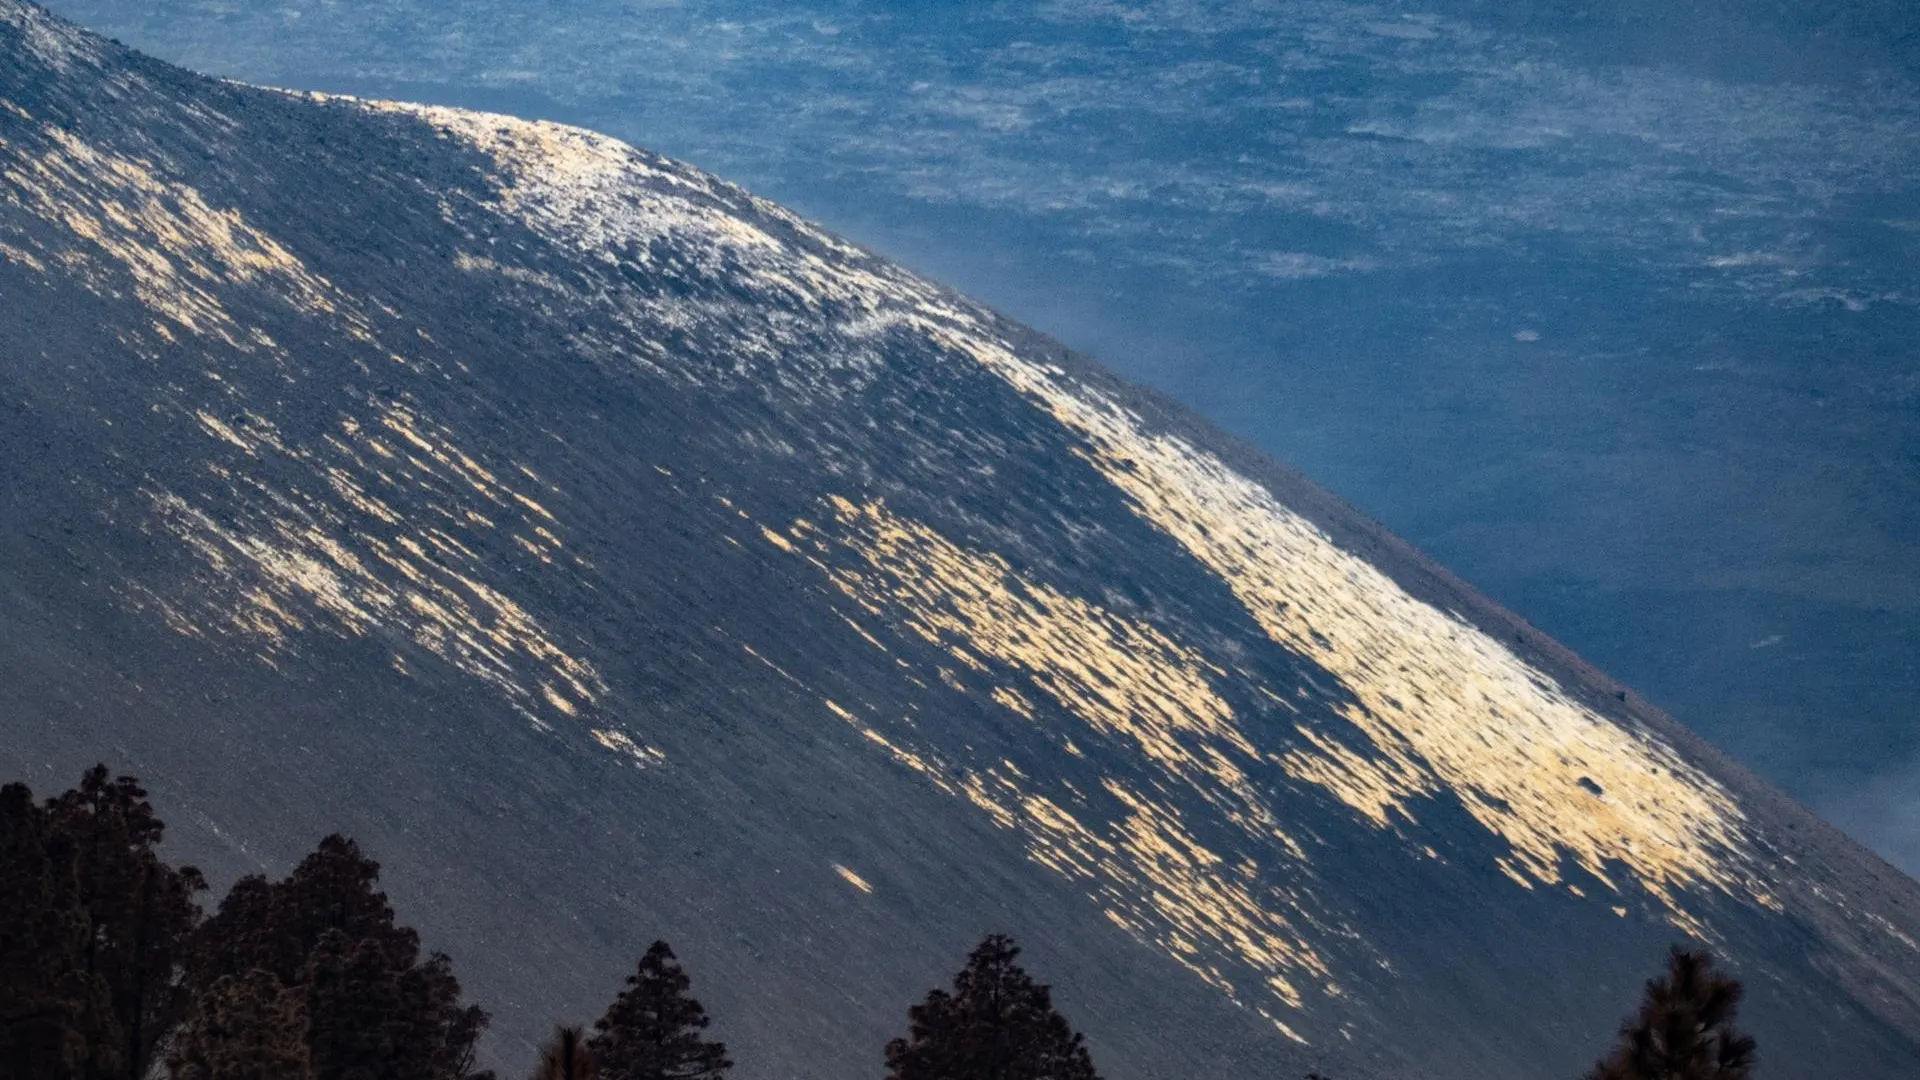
x=1618 y=322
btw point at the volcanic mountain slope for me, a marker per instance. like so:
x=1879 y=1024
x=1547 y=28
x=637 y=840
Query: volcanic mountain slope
x=618 y=555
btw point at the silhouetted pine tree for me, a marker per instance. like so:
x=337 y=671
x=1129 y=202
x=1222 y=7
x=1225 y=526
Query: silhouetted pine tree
x=93 y=926
x=374 y=1009
x=142 y=912
x=566 y=1057
x=1684 y=1029
x=248 y=1028
x=354 y=1013
x=652 y=1030
x=997 y=1024
x=102 y=955
x=275 y=926
x=44 y=996
x=431 y=1015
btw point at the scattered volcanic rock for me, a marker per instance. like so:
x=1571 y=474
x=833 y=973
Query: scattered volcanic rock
x=619 y=556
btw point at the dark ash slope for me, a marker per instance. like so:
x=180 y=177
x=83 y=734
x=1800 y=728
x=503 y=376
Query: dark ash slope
x=619 y=556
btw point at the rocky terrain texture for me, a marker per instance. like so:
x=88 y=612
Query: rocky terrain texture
x=618 y=555
x=1608 y=309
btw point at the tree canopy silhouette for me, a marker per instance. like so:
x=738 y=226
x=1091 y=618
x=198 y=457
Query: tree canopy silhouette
x=44 y=994
x=245 y=1028
x=1684 y=1029
x=652 y=1031
x=105 y=959
x=374 y=1010
x=997 y=1024
x=141 y=910
x=93 y=925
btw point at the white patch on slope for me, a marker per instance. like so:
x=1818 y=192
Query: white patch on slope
x=50 y=41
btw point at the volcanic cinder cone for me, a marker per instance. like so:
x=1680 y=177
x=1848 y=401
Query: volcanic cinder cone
x=619 y=556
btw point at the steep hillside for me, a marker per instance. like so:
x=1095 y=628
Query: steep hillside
x=618 y=555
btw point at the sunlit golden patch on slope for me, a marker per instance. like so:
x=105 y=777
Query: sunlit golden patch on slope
x=1013 y=699
x=852 y=878
x=1443 y=705
x=621 y=743
x=1158 y=883
x=347 y=558
x=430 y=450
x=122 y=217
x=290 y=558
x=1375 y=786
x=1126 y=681
x=20 y=257
x=928 y=765
x=1124 y=678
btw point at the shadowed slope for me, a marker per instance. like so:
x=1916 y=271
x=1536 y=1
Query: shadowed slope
x=619 y=556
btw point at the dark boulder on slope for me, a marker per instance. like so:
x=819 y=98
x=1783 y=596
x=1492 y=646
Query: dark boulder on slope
x=618 y=556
